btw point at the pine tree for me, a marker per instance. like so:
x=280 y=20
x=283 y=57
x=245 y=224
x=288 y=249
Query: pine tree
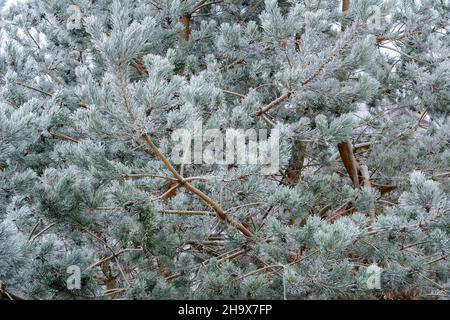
x=91 y=93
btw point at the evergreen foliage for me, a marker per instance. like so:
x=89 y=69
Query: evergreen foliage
x=91 y=92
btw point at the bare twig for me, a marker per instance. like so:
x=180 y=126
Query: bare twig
x=64 y=137
x=234 y=94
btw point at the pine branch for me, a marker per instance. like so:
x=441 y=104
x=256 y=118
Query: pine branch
x=440 y=176
x=146 y=175
x=181 y=180
x=219 y=211
x=233 y=64
x=203 y=3
x=273 y=104
x=296 y=164
x=345 y=8
x=42 y=231
x=33 y=230
x=101 y=261
x=397 y=37
x=35 y=89
x=185 y=20
x=366 y=176
x=234 y=94
x=139 y=66
x=9 y=295
x=187 y=212
x=349 y=160
x=312 y=77
x=64 y=137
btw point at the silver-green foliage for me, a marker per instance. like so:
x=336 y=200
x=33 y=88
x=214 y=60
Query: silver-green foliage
x=79 y=186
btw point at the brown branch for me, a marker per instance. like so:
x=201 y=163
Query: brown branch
x=366 y=176
x=33 y=230
x=42 y=231
x=146 y=175
x=35 y=89
x=398 y=51
x=219 y=211
x=45 y=93
x=64 y=137
x=396 y=37
x=107 y=246
x=298 y=39
x=278 y=266
x=296 y=164
x=311 y=78
x=185 y=20
x=139 y=66
x=345 y=5
x=198 y=5
x=187 y=212
x=440 y=176
x=101 y=261
x=384 y=189
x=224 y=257
x=234 y=94
x=339 y=212
x=319 y=69
x=349 y=160
x=273 y=104
x=345 y=8
x=170 y=192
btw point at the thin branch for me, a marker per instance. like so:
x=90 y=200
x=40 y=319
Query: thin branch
x=441 y=176
x=111 y=257
x=220 y=213
x=366 y=176
x=188 y=212
x=203 y=3
x=146 y=175
x=224 y=257
x=259 y=271
x=396 y=37
x=185 y=20
x=8 y=294
x=255 y=204
x=234 y=94
x=34 y=230
x=233 y=64
x=345 y=8
x=349 y=160
x=42 y=231
x=167 y=194
x=273 y=104
x=398 y=51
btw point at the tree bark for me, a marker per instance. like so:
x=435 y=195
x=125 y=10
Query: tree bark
x=186 y=22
